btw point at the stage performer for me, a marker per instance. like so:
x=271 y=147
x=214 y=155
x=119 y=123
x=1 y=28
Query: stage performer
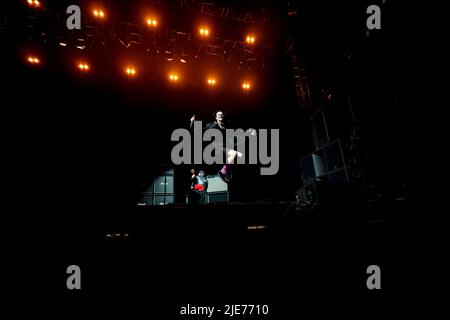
x=199 y=187
x=230 y=154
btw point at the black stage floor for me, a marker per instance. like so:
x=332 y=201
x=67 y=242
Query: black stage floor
x=273 y=253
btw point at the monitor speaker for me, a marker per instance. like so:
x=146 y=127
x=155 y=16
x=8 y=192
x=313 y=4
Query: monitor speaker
x=216 y=184
x=217 y=197
x=217 y=190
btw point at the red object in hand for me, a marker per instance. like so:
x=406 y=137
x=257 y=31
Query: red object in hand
x=199 y=187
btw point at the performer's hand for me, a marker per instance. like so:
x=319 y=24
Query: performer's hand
x=251 y=132
x=192 y=120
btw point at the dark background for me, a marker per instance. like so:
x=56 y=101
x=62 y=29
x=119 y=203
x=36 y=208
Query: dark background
x=75 y=145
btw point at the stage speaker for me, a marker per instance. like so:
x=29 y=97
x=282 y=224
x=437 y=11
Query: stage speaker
x=158 y=192
x=161 y=199
x=163 y=184
x=312 y=166
x=216 y=184
x=330 y=189
x=163 y=188
x=146 y=199
x=217 y=190
x=333 y=156
x=216 y=197
x=338 y=176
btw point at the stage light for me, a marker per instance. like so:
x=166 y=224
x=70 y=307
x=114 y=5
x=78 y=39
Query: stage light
x=250 y=39
x=130 y=71
x=98 y=13
x=152 y=22
x=62 y=44
x=33 y=60
x=33 y=3
x=83 y=66
x=212 y=81
x=173 y=77
x=246 y=86
x=204 y=32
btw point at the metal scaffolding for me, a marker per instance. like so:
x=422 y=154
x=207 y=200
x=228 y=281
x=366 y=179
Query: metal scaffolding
x=300 y=76
x=212 y=9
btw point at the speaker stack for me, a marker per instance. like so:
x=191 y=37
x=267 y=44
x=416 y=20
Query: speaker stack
x=324 y=174
x=160 y=191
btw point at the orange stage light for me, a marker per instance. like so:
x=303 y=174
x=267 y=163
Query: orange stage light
x=173 y=77
x=246 y=86
x=212 y=81
x=33 y=60
x=204 y=32
x=33 y=3
x=250 y=39
x=83 y=66
x=152 y=22
x=130 y=71
x=98 y=13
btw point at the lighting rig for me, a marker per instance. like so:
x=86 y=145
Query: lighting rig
x=100 y=32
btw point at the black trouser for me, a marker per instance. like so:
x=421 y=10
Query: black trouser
x=197 y=197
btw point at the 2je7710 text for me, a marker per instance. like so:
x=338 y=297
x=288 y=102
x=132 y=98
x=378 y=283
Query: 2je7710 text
x=229 y=310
